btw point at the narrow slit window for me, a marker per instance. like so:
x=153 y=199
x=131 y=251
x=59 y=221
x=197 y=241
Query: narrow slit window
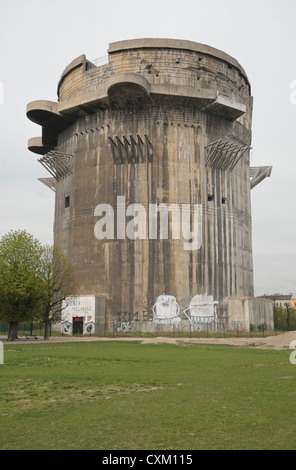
x=67 y=201
x=210 y=197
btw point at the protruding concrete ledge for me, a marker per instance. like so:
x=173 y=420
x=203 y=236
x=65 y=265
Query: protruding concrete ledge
x=92 y=100
x=40 y=111
x=226 y=108
x=36 y=145
x=203 y=95
x=135 y=90
x=258 y=174
x=45 y=113
x=128 y=88
x=131 y=78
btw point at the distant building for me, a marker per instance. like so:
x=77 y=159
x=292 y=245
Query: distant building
x=293 y=300
x=281 y=300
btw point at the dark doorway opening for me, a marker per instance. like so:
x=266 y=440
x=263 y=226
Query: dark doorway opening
x=78 y=326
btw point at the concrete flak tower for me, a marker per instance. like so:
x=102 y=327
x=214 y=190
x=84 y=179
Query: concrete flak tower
x=149 y=156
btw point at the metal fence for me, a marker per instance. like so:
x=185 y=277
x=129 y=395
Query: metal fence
x=140 y=329
x=207 y=330
x=25 y=329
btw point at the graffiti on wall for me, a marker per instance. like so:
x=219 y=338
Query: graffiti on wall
x=78 y=315
x=166 y=310
x=124 y=327
x=202 y=309
x=79 y=307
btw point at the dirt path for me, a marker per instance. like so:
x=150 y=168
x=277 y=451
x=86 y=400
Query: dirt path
x=280 y=341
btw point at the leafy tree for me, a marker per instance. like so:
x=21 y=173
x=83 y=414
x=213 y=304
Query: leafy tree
x=58 y=284
x=21 y=291
x=284 y=318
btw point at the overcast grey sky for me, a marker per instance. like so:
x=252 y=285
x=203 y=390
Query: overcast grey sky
x=38 y=38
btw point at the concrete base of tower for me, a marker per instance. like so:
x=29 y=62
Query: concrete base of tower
x=89 y=315
x=250 y=314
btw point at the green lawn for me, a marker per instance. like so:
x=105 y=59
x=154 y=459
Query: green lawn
x=127 y=396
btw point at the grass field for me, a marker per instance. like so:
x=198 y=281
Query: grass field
x=131 y=396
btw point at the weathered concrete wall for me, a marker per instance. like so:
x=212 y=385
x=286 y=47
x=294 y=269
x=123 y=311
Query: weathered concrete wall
x=244 y=312
x=133 y=273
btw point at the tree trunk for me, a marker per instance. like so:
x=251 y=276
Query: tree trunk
x=46 y=330
x=12 y=335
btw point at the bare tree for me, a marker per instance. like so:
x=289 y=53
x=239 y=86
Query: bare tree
x=59 y=283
